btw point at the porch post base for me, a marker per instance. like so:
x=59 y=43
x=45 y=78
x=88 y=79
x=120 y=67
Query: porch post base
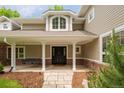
x=74 y=69
x=43 y=69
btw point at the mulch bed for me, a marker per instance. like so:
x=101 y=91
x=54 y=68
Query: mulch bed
x=26 y=79
x=78 y=79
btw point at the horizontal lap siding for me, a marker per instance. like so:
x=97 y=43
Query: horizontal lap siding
x=106 y=18
x=91 y=50
x=35 y=51
x=34 y=27
x=77 y=27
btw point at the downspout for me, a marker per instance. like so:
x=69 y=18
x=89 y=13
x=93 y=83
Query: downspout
x=5 y=40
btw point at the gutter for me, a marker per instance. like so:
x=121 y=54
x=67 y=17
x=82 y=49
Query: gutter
x=5 y=40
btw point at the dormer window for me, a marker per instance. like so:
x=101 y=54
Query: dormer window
x=59 y=23
x=5 y=26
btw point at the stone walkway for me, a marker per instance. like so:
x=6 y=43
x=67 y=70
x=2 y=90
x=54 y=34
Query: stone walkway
x=58 y=79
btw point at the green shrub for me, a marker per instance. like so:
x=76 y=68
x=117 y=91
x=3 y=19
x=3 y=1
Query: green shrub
x=1 y=67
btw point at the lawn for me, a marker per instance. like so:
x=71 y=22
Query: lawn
x=7 y=83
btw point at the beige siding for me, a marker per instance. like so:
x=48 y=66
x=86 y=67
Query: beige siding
x=91 y=50
x=107 y=17
x=70 y=52
x=33 y=51
x=48 y=53
x=77 y=27
x=34 y=27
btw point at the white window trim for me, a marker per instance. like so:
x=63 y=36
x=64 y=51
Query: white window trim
x=51 y=28
x=117 y=29
x=79 y=52
x=18 y=54
x=90 y=12
x=9 y=25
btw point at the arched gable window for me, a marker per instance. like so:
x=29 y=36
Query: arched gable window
x=59 y=23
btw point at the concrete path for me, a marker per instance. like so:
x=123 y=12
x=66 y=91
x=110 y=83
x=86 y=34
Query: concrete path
x=58 y=79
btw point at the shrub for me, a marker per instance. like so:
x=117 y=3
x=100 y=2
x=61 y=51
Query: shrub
x=1 y=67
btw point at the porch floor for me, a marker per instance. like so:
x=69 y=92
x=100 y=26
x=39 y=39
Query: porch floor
x=38 y=68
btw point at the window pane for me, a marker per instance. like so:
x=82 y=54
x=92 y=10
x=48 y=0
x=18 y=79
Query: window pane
x=62 y=23
x=55 y=23
x=103 y=57
x=5 y=26
x=77 y=49
x=105 y=41
x=21 y=50
x=122 y=37
x=21 y=53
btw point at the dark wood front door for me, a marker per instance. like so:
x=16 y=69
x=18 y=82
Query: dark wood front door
x=58 y=55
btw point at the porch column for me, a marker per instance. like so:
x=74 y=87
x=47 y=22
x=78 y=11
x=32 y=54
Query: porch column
x=13 y=56
x=74 y=56
x=43 y=56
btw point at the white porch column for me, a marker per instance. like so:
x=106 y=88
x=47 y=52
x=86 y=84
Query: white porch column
x=13 y=56
x=43 y=56
x=74 y=56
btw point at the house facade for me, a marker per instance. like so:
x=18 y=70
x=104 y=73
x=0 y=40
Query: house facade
x=60 y=37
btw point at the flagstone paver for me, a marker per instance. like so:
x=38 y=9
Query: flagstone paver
x=58 y=79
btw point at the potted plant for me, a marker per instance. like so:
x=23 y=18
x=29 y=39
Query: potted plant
x=1 y=69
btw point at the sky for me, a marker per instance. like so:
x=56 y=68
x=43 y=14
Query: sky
x=35 y=11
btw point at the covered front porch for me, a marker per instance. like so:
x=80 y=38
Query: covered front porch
x=38 y=68
x=43 y=39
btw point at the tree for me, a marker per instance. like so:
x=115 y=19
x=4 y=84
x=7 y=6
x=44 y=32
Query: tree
x=113 y=75
x=56 y=8
x=8 y=13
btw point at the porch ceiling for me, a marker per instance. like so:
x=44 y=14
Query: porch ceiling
x=23 y=37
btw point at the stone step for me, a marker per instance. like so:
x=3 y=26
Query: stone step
x=57 y=79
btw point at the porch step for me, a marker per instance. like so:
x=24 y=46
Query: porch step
x=58 y=79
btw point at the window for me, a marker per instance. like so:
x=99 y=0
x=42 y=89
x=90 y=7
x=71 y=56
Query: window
x=122 y=37
x=106 y=38
x=5 y=26
x=59 y=23
x=62 y=23
x=55 y=23
x=20 y=52
x=91 y=15
x=104 y=44
x=78 y=49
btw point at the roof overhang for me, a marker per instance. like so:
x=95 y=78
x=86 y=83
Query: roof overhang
x=62 y=12
x=29 y=20
x=83 y=10
x=25 y=37
x=3 y=18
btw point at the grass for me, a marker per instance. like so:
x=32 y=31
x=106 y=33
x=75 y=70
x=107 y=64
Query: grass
x=7 y=83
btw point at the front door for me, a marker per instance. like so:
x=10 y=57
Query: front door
x=59 y=55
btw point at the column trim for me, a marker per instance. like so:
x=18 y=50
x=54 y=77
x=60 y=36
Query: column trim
x=74 y=56
x=13 y=56
x=43 y=57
